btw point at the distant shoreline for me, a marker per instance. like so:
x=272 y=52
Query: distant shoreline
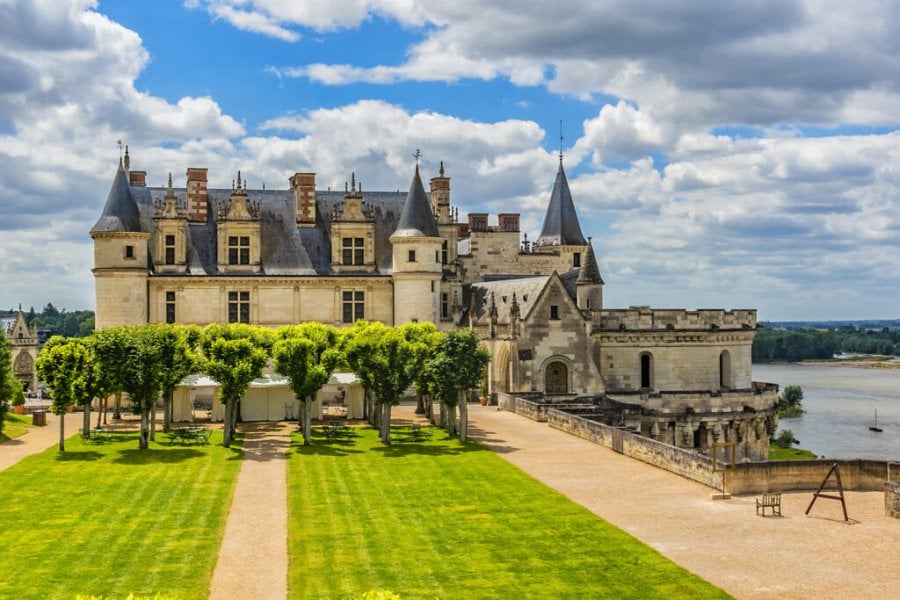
x=856 y=363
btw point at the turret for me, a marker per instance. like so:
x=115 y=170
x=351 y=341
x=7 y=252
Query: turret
x=589 y=285
x=120 y=258
x=561 y=231
x=416 y=247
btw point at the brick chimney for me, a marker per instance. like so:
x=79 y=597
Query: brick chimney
x=137 y=178
x=509 y=221
x=304 y=187
x=198 y=198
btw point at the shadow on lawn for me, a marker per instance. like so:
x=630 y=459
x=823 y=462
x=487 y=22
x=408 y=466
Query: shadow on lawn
x=401 y=449
x=156 y=455
x=78 y=456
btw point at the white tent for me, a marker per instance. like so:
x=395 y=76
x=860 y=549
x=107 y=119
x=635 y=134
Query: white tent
x=268 y=398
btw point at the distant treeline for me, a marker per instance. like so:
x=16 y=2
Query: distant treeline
x=53 y=321
x=801 y=344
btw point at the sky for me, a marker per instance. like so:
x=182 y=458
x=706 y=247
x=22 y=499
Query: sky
x=720 y=154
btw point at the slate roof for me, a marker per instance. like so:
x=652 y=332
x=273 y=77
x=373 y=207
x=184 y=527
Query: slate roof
x=285 y=249
x=417 y=219
x=561 y=227
x=120 y=213
x=526 y=289
x=590 y=272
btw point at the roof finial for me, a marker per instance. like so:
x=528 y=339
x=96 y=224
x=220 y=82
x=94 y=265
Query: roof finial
x=561 y=138
x=442 y=168
x=127 y=160
x=171 y=192
x=353 y=182
x=239 y=180
x=119 y=144
x=417 y=155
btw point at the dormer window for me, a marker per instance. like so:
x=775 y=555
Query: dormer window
x=238 y=250
x=554 y=312
x=353 y=251
x=576 y=259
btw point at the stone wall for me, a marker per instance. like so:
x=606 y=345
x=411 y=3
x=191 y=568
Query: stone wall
x=892 y=499
x=745 y=478
x=647 y=319
x=536 y=411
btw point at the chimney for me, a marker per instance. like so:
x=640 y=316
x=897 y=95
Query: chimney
x=137 y=178
x=509 y=221
x=198 y=198
x=304 y=187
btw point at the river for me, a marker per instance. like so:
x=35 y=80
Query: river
x=840 y=405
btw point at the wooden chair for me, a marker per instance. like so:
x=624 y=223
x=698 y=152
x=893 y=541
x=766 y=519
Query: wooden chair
x=769 y=500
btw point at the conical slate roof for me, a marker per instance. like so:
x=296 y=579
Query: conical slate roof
x=561 y=226
x=416 y=220
x=589 y=272
x=120 y=212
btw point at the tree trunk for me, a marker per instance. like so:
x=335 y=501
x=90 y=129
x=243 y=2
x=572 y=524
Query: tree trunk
x=365 y=414
x=226 y=426
x=386 y=422
x=234 y=417
x=106 y=410
x=429 y=408
x=451 y=420
x=420 y=404
x=145 y=429
x=463 y=417
x=86 y=431
x=100 y=414
x=153 y=421
x=442 y=415
x=117 y=407
x=307 y=420
x=62 y=432
x=167 y=412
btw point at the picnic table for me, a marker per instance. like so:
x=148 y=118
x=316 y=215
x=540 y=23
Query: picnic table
x=413 y=433
x=98 y=435
x=338 y=430
x=189 y=435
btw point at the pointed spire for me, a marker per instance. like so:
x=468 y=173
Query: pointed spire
x=561 y=227
x=170 y=193
x=589 y=272
x=120 y=213
x=416 y=220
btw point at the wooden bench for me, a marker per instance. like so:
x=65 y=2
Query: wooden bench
x=772 y=501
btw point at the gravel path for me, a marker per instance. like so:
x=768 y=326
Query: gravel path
x=723 y=541
x=252 y=561
x=38 y=439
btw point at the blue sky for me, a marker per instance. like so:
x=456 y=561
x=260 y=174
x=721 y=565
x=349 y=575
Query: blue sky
x=733 y=155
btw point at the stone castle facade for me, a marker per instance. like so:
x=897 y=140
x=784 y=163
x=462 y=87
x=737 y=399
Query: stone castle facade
x=277 y=257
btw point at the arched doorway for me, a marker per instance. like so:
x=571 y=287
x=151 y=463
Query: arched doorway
x=556 y=378
x=502 y=370
x=23 y=368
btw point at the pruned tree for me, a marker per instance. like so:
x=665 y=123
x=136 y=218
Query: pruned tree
x=142 y=374
x=458 y=366
x=64 y=365
x=177 y=360
x=423 y=339
x=234 y=355
x=109 y=346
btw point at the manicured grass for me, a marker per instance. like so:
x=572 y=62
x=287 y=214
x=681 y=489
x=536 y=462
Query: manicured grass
x=440 y=520
x=776 y=452
x=14 y=426
x=112 y=520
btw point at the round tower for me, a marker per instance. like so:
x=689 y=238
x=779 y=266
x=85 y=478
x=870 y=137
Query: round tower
x=120 y=258
x=589 y=285
x=416 y=247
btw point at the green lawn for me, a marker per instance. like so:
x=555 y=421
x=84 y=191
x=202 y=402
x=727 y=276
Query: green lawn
x=438 y=520
x=14 y=426
x=111 y=520
x=776 y=452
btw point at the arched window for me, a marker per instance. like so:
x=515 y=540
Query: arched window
x=646 y=370
x=556 y=378
x=725 y=369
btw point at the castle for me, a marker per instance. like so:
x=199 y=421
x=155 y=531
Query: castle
x=278 y=257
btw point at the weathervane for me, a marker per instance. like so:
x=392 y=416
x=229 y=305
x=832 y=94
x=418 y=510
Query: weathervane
x=561 y=138
x=417 y=156
x=119 y=144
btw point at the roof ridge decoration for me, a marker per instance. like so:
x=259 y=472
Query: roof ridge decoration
x=561 y=227
x=590 y=271
x=416 y=220
x=120 y=213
